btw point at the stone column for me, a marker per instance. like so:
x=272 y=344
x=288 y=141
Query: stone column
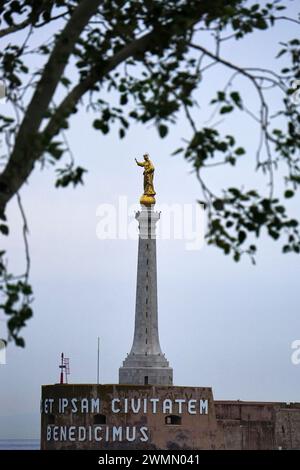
x=146 y=363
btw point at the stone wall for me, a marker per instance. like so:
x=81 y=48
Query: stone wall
x=162 y=417
x=259 y=425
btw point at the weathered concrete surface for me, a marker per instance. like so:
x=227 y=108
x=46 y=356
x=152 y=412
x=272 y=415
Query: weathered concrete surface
x=192 y=431
x=259 y=425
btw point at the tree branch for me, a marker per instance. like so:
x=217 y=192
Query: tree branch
x=25 y=233
x=14 y=28
x=21 y=161
x=66 y=106
x=264 y=107
x=29 y=144
x=17 y=27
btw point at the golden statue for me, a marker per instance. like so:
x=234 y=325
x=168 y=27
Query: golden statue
x=147 y=199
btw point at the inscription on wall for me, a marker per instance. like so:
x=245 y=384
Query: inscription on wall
x=117 y=406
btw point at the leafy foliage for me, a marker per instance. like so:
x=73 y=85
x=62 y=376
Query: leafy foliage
x=69 y=175
x=17 y=295
x=150 y=54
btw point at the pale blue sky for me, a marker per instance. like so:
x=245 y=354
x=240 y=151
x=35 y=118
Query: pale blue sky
x=225 y=325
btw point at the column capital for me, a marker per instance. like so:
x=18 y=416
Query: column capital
x=147 y=219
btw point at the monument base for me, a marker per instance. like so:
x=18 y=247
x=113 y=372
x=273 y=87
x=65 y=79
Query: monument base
x=146 y=375
x=150 y=369
x=128 y=417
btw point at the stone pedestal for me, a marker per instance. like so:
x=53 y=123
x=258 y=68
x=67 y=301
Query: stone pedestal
x=146 y=363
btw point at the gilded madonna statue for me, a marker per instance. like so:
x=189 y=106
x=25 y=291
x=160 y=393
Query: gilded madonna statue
x=147 y=199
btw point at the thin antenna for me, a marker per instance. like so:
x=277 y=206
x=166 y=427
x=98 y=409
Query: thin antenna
x=64 y=368
x=98 y=362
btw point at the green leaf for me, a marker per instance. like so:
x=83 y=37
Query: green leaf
x=231 y=160
x=289 y=193
x=292 y=223
x=26 y=289
x=20 y=342
x=229 y=224
x=163 y=130
x=280 y=53
x=123 y=99
x=4 y=229
x=180 y=150
x=273 y=233
x=218 y=204
x=236 y=192
x=65 y=81
x=133 y=114
x=235 y=96
x=240 y=151
x=26 y=312
x=122 y=88
x=261 y=23
x=97 y=124
x=102 y=126
x=226 y=109
x=221 y=96
x=242 y=236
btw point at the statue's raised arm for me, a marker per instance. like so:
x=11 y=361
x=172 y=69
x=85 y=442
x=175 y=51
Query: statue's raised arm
x=139 y=163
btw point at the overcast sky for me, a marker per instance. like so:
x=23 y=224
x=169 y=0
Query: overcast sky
x=225 y=325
